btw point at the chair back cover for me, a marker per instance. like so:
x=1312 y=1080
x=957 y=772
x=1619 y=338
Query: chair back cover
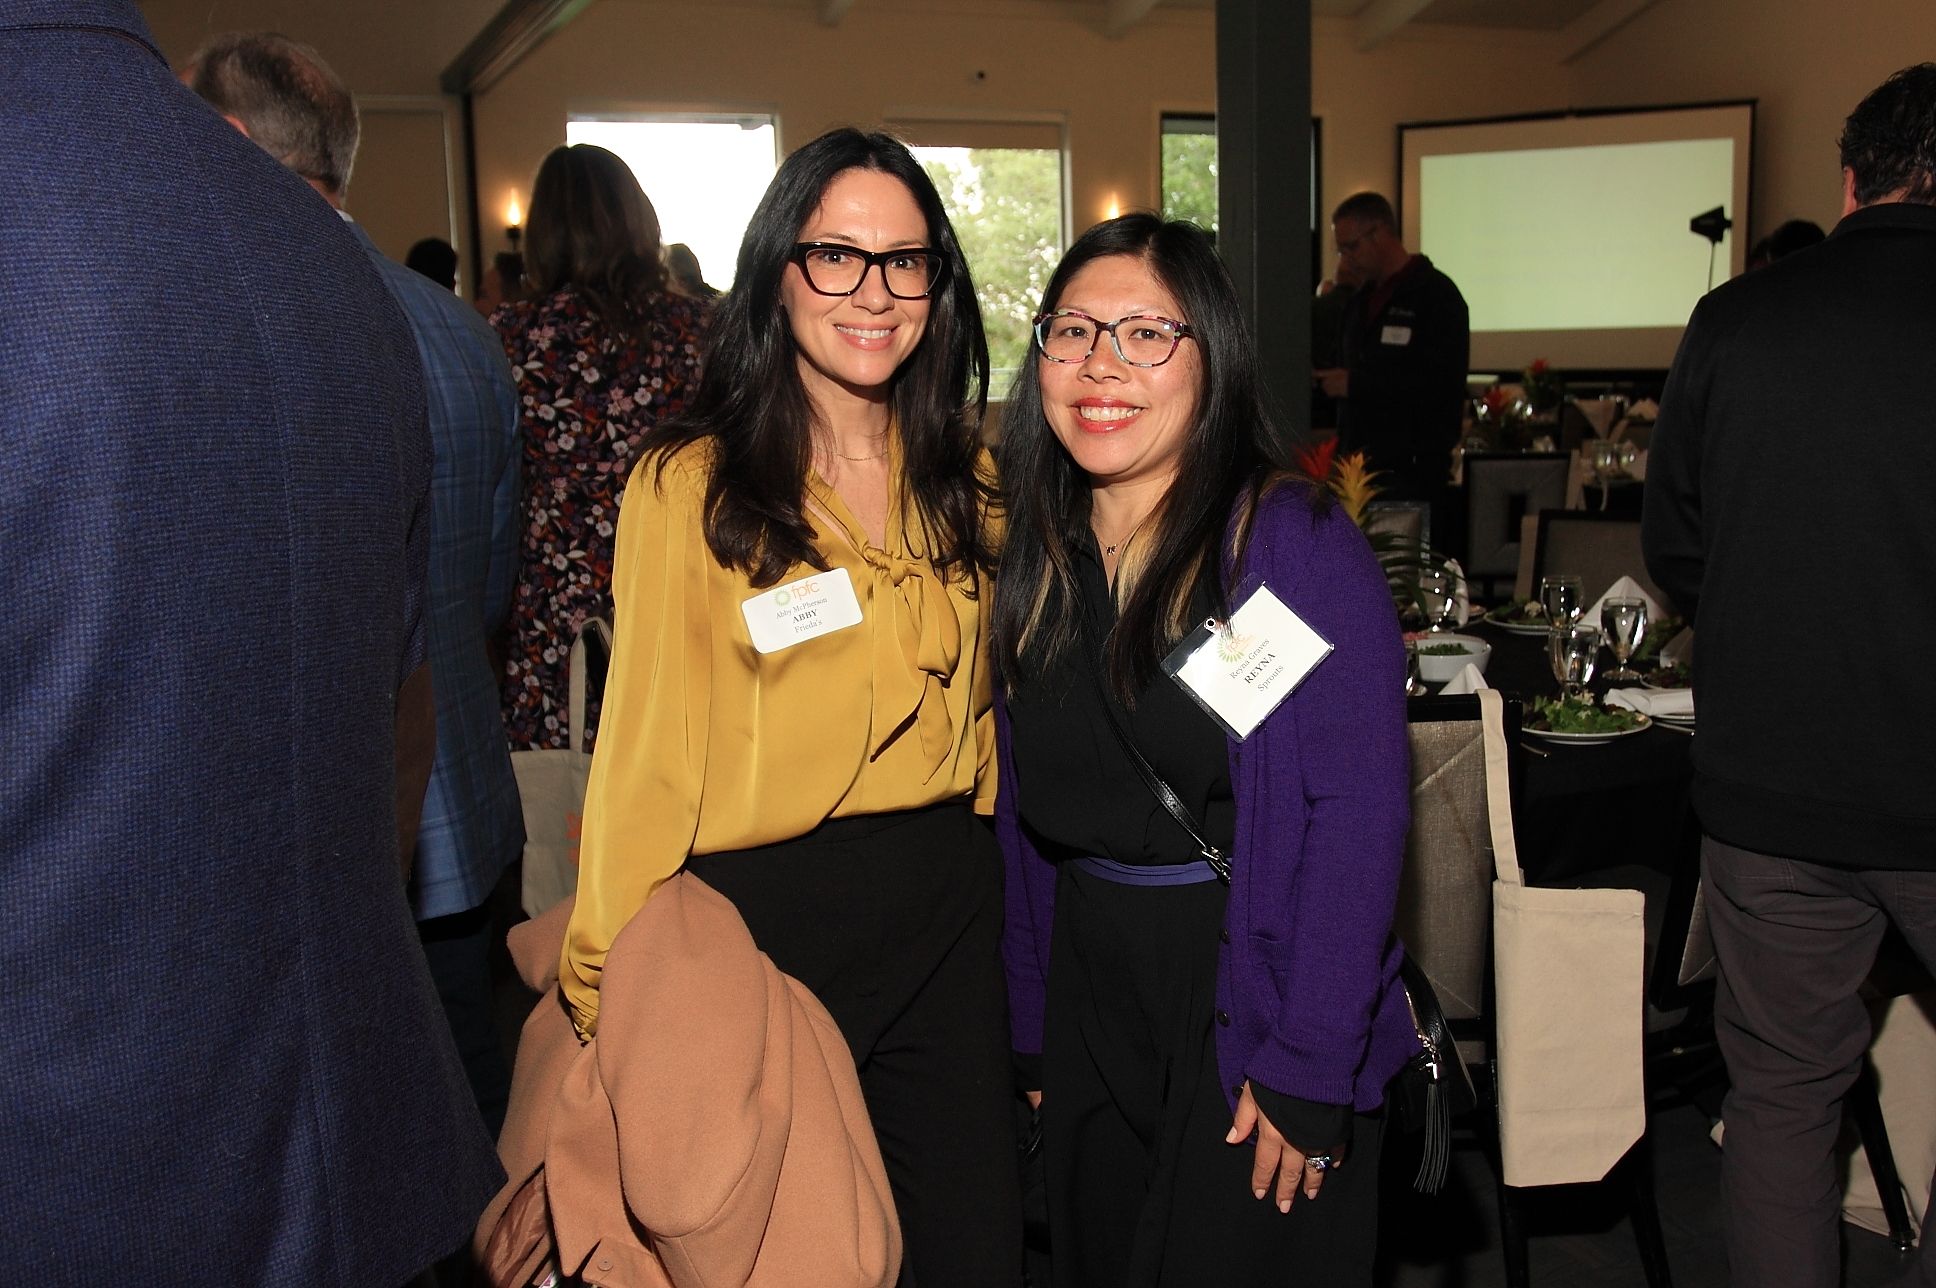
x=551 y=785
x=1569 y=987
x=1596 y=549
x=1501 y=489
x=1444 y=896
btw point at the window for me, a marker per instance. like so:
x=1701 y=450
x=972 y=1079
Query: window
x=704 y=174
x=1190 y=169
x=1001 y=184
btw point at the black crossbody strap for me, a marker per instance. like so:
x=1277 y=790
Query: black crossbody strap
x=1165 y=794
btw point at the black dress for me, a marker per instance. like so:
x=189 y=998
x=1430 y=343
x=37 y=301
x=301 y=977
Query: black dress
x=1143 y=1190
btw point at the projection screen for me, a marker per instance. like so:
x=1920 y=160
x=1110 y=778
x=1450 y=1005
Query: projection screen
x=1568 y=235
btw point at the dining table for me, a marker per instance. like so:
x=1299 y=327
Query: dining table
x=1589 y=808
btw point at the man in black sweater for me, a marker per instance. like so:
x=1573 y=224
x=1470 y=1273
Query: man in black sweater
x=1788 y=515
x=1407 y=338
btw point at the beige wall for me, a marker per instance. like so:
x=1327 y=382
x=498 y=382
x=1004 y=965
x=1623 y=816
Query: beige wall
x=1423 y=74
x=1038 y=62
x=1809 y=62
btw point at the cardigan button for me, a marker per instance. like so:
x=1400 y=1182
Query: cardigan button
x=1223 y=1018
x=1223 y=935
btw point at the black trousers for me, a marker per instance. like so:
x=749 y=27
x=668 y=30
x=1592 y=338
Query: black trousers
x=458 y=950
x=894 y=922
x=1143 y=1191
x=1795 y=940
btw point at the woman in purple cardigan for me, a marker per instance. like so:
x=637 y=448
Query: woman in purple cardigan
x=1209 y=1060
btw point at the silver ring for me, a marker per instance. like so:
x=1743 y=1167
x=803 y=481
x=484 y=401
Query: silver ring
x=1320 y=1162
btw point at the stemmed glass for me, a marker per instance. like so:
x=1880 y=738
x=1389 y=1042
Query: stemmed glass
x=1573 y=648
x=1561 y=598
x=1625 y=622
x=1438 y=594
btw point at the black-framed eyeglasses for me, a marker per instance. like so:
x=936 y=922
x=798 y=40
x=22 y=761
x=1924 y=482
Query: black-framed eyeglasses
x=830 y=268
x=1141 y=339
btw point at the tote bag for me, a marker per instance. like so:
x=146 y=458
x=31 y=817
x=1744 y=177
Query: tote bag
x=551 y=785
x=1570 y=969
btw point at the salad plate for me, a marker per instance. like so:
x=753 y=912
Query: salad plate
x=1514 y=619
x=1641 y=725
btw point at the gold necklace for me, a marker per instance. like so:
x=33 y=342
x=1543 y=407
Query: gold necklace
x=878 y=456
x=1109 y=551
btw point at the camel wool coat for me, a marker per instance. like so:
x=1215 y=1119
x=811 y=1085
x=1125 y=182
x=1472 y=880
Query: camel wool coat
x=713 y=1132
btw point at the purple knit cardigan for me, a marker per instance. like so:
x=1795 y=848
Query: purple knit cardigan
x=1308 y=972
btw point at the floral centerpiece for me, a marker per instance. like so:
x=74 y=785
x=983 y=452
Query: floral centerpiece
x=1350 y=478
x=1545 y=391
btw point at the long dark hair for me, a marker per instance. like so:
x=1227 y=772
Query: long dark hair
x=753 y=406
x=1229 y=454
x=592 y=228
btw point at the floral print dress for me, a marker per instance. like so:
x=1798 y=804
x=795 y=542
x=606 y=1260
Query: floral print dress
x=587 y=396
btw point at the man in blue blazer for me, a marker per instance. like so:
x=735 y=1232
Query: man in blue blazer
x=221 y=1056
x=285 y=97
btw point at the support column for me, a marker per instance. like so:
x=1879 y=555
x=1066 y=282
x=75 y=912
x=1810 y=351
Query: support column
x=1264 y=188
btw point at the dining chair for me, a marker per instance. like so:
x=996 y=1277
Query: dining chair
x=1444 y=918
x=1501 y=488
x=1599 y=549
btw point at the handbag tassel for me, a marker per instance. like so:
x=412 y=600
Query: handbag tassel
x=1436 y=1154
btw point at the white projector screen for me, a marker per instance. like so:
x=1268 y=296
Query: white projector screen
x=1568 y=235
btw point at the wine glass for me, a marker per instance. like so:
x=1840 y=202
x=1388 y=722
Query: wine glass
x=1625 y=622
x=1561 y=598
x=1573 y=649
x=1438 y=594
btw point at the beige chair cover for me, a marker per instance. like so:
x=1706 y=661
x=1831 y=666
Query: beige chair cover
x=1570 y=970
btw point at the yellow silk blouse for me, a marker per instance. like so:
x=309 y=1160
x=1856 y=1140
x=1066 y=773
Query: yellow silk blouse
x=705 y=744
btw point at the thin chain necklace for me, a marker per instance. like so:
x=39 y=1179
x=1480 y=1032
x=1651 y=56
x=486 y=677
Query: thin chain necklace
x=878 y=456
x=1109 y=551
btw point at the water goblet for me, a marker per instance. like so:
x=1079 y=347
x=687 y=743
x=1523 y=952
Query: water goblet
x=1438 y=594
x=1573 y=648
x=1561 y=598
x=1625 y=622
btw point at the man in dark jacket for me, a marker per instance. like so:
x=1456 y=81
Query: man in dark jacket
x=1788 y=516
x=1407 y=340
x=222 y=1060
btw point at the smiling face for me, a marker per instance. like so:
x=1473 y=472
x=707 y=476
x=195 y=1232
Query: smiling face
x=850 y=346
x=1123 y=425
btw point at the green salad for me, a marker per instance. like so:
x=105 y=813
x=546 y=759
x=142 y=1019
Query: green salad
x=1443 y=650
x=1658 y=633
x=1677 y=676
x=1579 y=715
x=1519 y=612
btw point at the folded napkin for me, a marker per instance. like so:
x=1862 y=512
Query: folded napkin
x=1463 y=594
x=1599 y=413
x=1679 y=651
x=1468 y=680
x=1663 y=704
x=1625 y=588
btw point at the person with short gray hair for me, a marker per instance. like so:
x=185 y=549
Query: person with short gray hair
x=282 y=95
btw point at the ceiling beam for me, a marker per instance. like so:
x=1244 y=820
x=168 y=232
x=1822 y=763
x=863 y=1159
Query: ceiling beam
x=832 y=11
x=1383 y=17
x=519 y=27
x=1596 y=24
x=1124 y=14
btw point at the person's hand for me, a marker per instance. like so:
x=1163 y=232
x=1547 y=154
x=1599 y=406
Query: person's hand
x=1034 y=1098
x=1277 y=1160
x=1335 y=381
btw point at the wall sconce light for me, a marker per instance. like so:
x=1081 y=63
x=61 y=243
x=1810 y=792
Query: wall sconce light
x=513 y=221
x=1114 y=209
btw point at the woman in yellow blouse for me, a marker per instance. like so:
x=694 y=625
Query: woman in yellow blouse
x=798 y=709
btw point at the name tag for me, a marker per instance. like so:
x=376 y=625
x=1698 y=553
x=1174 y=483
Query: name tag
x=1240 y=670
x=818 y=604
x=1395 y=335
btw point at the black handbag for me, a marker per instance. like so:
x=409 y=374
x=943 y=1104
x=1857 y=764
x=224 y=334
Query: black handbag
x=1434 y=1086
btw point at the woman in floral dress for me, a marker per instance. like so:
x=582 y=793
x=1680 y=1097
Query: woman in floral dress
x=604 y=349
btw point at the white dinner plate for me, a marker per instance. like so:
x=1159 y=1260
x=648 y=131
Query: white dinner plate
x=1590 y=739
x=1516 y=628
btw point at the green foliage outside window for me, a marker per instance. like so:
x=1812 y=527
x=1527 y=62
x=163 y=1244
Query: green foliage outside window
x=1190 y=178
x=1006 y=206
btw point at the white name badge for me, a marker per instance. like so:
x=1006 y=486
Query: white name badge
x=817 y=604
x=1395 y=335
x=1239 y=672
